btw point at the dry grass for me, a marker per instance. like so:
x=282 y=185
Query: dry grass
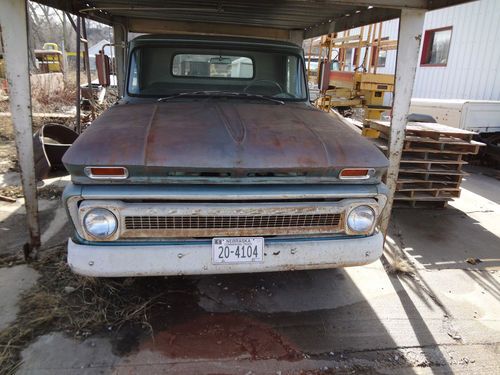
x=43 y=101
x=399 y=266
x=45 y=192
x=396 y=260
x=79 y=306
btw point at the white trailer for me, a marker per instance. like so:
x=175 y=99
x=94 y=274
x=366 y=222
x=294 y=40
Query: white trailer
x=481 y=116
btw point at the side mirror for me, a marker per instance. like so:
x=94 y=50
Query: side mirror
x=103 y=67
x=324 y=75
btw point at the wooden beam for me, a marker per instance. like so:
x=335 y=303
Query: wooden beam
x=410 y=34
x=345 y=39
x=13 y=16
x=140 y=25
x=351 y=21
x=120 y=41
x=366 y=17
x=46 y=115
x=326 y=27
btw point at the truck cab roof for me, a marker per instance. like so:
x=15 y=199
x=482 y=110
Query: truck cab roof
x=227 y=41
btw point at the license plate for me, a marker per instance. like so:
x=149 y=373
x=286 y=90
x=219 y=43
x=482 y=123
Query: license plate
x=237 y=250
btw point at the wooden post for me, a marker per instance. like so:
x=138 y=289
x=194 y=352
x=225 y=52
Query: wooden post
x=367 y=50
x=410 y=34
x=377 y=49
x=358 y=49
x=120 y=40
x=86 y=52
x=309 y=59
x=13 y=18
x=78 y=127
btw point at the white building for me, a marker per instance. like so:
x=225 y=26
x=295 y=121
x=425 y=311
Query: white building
x=460 y=52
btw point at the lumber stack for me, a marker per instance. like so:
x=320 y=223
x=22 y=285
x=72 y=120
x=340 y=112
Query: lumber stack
x=431 y=168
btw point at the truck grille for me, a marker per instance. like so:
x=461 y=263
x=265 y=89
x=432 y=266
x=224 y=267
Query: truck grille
x=213 y=226
x=230 y=222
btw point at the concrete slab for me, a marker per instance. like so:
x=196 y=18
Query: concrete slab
x=439 y=239
x=54 y=225
x=444 y=318
x=13 y=282
x=57 y=354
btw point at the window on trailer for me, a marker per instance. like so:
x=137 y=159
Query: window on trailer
x=436 y=47
x=378 y=56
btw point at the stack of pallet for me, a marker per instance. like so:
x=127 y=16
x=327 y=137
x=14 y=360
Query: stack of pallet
x=430 y=172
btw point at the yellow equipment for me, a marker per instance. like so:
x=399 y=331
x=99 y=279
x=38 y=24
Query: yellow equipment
x=346 y=82
x=49 y=58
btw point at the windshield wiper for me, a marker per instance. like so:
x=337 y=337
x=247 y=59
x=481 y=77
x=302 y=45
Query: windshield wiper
x=220 y=94
x=187 y=94
x=254 y=96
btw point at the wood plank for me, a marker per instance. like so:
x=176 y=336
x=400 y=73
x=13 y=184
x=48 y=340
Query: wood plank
x=424 y=185
x=420 y=204
x=424 y=128
x=430 y=171
x=404 y=177
x=432 y=161
x=443 y=140
x=44 y=115
x=443 y=192
x=434 y=155
x=422 y=149
x=420 y=197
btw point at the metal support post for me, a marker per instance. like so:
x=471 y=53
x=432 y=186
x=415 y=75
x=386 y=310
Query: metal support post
x=13 y=18
x=410 y=33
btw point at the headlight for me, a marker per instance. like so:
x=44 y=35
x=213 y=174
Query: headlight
x=100 y=223
x=361 y=219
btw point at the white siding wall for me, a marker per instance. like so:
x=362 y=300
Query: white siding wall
x=473 y=70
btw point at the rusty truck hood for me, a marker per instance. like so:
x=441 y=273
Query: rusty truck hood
x=221 y=138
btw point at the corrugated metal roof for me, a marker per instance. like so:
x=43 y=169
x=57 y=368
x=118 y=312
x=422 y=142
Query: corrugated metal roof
x=316 y=17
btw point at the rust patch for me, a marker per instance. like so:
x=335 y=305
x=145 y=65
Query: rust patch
x=222 y=336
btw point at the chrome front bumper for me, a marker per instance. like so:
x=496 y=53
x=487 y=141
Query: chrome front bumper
x=191 y=258
x=169 y=256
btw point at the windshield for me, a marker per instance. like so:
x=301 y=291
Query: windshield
x=163 y=71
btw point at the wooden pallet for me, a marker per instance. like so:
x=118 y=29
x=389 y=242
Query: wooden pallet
x=420 y=204
x=415 y=184
x=426 y=193
x=424 y=129
x=432 y=156
x=431 y=165
x=471 y=148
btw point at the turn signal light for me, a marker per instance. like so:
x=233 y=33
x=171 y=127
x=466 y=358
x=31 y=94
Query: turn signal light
x=106 y=172
x=356 y=173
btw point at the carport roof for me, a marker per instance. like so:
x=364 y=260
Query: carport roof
x=314 y=17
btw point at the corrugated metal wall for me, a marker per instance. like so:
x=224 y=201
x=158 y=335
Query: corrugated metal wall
x=473 y=70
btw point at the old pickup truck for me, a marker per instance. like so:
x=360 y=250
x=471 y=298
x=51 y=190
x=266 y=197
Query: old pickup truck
x=215 y=161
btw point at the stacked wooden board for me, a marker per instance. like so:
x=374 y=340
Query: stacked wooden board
x=431 y=171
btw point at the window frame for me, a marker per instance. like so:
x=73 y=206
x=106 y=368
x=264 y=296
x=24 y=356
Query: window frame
x=375 y=54
x=300 y=57
x=427 y=46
